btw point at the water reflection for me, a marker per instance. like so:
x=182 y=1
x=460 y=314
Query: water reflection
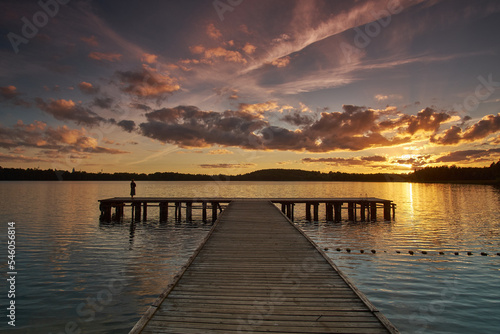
x=68 y=256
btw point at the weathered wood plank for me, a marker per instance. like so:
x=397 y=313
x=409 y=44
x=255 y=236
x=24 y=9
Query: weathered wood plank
x=256 y=272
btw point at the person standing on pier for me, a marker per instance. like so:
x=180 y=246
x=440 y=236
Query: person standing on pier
x=132 y=188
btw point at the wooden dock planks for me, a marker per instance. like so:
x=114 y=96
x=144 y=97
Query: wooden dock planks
x=256 y=272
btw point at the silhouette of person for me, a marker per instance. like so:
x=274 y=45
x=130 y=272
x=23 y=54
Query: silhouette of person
x=132 y=188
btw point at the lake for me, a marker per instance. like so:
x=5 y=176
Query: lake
x=77 y=274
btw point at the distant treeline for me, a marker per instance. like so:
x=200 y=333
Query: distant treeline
x=489 y=174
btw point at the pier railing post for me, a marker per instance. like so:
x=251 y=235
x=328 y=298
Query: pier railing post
x=308 y=212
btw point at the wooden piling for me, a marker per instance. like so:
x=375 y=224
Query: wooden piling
x=308 y=212
x=362 y=211
x=387 y=211
x=316 y=211
x=137 y=209
x=145 y=211
x=204 y=212
x=189 y=211
x=163 y=211
x=373 y=211
x=214 y=211
x=338 y=211
x=350 y=211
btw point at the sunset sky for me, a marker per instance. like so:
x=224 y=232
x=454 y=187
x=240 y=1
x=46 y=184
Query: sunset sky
x=232 y=86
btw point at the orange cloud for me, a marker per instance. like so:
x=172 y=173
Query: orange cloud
x=149 y=58
x=249 y=48
x=147 y=82
x=281 y=62
x=213 y=32
x=112 y=57
x=87 y=88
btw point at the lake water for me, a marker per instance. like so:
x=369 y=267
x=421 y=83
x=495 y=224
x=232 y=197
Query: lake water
x=77 y=274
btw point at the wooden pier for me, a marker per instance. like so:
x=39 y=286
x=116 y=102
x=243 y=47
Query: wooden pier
x=363 y=209
x=256 y=272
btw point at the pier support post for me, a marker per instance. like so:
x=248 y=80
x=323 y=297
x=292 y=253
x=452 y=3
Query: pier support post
x=189 y=211
x=204 y=212
x=350 y=212
x=283 y=208
x=178 y=213
x=329 y=212
x=308 y=212
x=338 y=211
x=105 y=212
x=393 y=205
x=362 y=211
x=316 y=212
x=137 y=209
x=118 y=212
x=163 y=211
x=373 y=211
x=214 y=211
x=145 y=211
x=387 y=210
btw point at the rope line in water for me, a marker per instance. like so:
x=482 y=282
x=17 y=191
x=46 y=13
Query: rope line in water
x=411 y=252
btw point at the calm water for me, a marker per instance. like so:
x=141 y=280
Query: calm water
x=75 y=273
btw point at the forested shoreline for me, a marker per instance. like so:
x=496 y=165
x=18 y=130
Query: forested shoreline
x=489 y=175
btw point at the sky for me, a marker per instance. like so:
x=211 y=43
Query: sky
x=233 y=86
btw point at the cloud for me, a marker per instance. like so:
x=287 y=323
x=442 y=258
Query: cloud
x=381 y=98
x=298 y=118
x=220 y=151
x=88 y=88
x=21 y=158
x=67 y=110
x=486 y=126
x=245 y=165
x=51 y=140
x=213 y=32
x=281 y=62
x=147 y=83
x=249 y=48
x=414 y=161
x=127 y=125
x=188 y=126
x=91 y=41
x=335 y=161
x=228 y=55
x=112 y=57
x=469 y=155
x=9 y=94
x=355 y=128
x=149 y=58
x=104 y=102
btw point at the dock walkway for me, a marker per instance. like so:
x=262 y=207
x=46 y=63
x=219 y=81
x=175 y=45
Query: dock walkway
x=256 y=272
